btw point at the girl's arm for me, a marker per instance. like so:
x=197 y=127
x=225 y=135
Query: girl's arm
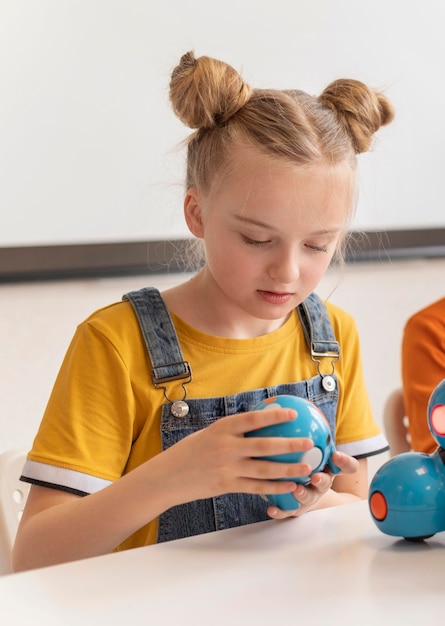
x=58 y=527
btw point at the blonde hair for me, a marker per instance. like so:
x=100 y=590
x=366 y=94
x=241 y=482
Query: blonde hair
x=210 y=97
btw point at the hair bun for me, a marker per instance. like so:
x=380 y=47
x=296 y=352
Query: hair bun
x=205 y=92
x=362 y=110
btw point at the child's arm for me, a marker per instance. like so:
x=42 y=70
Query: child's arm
x=58 y=527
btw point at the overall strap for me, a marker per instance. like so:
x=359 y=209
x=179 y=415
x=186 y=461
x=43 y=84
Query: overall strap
x=159 y=335
x=318 y=331
x=163 y=345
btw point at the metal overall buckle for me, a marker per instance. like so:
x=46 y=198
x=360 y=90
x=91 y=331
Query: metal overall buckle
x=327 y=380
x=179 y=408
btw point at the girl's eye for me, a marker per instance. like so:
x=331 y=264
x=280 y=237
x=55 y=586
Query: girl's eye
x=316 y=248
x=254 y=242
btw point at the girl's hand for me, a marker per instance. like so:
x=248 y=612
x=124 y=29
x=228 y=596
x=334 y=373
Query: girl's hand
x=321 y=484
x=219 y=459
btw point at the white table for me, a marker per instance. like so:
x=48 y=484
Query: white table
x=327 y=567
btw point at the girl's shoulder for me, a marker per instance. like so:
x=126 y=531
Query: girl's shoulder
x=115 y=322
x=110 y=314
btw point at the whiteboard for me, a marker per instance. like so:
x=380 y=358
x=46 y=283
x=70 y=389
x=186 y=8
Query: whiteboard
x=88 y=149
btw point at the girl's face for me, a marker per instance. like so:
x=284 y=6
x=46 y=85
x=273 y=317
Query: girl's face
x=270 y=231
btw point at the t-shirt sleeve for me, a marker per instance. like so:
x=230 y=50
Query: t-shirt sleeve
x=86 y=433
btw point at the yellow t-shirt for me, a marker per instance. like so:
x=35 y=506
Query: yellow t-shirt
x=103 y=416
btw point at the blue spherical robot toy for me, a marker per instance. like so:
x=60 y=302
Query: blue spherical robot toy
x=309 y=423
x=407 y=494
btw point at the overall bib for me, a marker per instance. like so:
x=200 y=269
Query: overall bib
x=226 y=511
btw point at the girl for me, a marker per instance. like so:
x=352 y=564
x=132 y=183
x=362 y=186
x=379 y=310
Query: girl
x=143 y=436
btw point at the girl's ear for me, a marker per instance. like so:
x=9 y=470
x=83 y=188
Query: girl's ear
x=192 y=213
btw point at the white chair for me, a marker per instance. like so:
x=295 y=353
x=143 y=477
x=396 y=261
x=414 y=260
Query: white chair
x=395 y=423
x=13 y=494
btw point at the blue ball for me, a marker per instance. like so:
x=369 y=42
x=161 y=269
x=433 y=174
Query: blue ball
x=309 y=423
x=407 y=496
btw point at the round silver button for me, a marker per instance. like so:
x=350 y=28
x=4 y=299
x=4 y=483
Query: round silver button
x=179 y=408
x=328 y=383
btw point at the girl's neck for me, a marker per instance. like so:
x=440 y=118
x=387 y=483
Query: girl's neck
x=201 y=304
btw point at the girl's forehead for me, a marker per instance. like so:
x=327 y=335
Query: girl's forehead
x=317 y=184
x=292 y=197
x=247 y=163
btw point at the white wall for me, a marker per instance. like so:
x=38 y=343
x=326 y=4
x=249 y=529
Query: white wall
x=88 y=136
x=38 y=319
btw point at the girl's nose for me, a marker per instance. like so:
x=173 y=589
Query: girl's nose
x=284 y=267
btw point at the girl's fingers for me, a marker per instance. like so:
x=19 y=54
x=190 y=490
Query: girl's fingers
x=346 y=463
x=261 y=487
x=242 y=423
x=275 y=513
x=322 y=481
x=306 y=495
x=273 y=470
x=257 y=447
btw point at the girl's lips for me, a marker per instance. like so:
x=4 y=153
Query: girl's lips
x=275 y=298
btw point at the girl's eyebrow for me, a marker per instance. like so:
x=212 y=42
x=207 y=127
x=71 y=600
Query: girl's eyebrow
x=254 y=222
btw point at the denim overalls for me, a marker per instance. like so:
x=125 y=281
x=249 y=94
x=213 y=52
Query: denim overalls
x=237 y=509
